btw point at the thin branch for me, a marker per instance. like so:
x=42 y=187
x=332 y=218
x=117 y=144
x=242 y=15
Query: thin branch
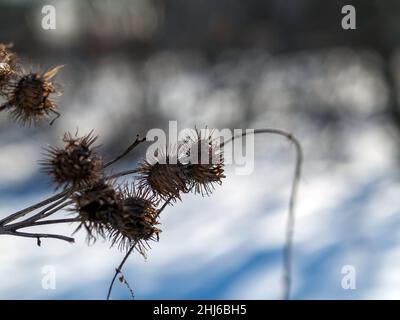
x=45 y=212
x=56 y=209
x=167 y=202
x=53 y=208
x=122 y=173
x=54 y=221
x=57 y=115
x=129 y=149
x=23 y=212
x=288 y=248
x=164 y=206
x=118 y=270
x=38 y=235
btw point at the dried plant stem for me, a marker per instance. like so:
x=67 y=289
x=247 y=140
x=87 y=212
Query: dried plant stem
x=164 y=206
x=57 y=115
x=49 y=212
x=56 y=203
x=55 y=221
x=129 y=149
x=122 y=173
x=288 y=248
x=41 y=215
x=12 y=229
x=34 y=207
x=64 y=194
x=118 y=270
x=38 y=235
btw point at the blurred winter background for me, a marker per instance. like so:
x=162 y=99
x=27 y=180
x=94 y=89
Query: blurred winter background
x=134 y=65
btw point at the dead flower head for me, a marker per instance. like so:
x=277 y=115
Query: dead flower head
x=124 y=216
x=29 y=97
x=97 y=208
x=163 y=177
x=76 y=164
x=198 y=165
x=136 y=223
x=205 y=164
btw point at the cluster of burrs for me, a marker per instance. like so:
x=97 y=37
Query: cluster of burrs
x=128 y=214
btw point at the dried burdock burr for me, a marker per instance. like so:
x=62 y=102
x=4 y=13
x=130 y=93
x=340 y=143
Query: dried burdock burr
x=29 y=98
x=98 y=208
x=137 y=223
x=124 y=216
x=8 y=67
x=205 y=164
x=77 y=164
x=163 y=176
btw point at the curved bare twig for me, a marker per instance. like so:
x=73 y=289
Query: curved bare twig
x=38 y=236
x=287 y=251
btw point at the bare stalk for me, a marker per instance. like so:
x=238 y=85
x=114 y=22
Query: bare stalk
x=118 y=270
x=23 y=212
x=54 y=221
x=164 y=206
x=122 y=173
x=12 y=229
x=288 y=248
x=53 y=208
x=129 y=149
x=38 y=236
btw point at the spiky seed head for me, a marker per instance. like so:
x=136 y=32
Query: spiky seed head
x=30 y=97
x=163 y=176
x=202 y=178
x=164 y=180
x=137 y=223
x=97 y=207
x=77 y=164
x=123 y=215
x=205 y=165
